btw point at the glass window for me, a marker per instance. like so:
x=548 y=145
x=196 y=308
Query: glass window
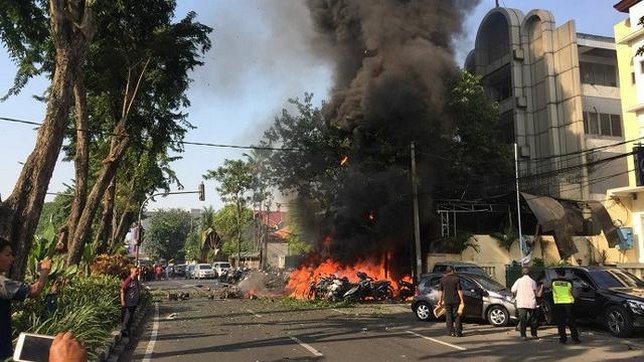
x=587 y=75
x=600 y=74
x=611 y=77
x=489 y=284
x=642 y=66
x=605 y=124
x=586 y=125
x=593 y=123
x=616 y=125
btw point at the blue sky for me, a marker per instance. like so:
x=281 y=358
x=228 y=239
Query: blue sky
x=261 y=56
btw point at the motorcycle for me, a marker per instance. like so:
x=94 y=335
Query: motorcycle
x=405 y=290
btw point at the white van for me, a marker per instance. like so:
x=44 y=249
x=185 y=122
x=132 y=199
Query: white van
x=220 y=266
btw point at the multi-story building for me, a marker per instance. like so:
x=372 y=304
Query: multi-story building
x=558 y=94
x=629 y=37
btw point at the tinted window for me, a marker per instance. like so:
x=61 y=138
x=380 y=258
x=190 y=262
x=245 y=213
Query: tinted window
x=471 y=269
x=203 y=267
x=615 y=279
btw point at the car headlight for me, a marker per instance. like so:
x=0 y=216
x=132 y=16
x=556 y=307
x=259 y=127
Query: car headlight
x=636 y=306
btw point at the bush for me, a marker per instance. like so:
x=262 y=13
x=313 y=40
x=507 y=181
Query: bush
x=87 y=306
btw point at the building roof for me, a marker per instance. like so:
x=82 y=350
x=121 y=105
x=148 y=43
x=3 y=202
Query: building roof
x=271 y=218
x=624 y=5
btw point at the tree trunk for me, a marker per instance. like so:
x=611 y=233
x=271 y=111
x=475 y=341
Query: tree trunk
x=105 y=226
x=81 y=160
x=108 y=171
x=21 y=211
x=239 y=234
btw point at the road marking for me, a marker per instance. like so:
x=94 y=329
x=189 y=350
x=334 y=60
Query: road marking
x=307 y=346
x=437 y=341
x=153 y=336
x=253 y=313
x=340 y=311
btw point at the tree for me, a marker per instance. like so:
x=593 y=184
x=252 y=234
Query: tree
x=477 y=157
x=235 y=178
x=167 y=233
x=235 y=230
x=137 y=78
x=261 y=196
x=30 y=30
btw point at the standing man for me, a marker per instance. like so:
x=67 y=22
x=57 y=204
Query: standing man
x=563 y=300
x=130 y=296
x=14 y=290
x=450 y=297
x=525 y=291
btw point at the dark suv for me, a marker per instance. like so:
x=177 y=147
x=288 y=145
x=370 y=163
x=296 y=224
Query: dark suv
x=610 y=296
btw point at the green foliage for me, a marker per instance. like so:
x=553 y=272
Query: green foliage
x=112 y=265
x=88 y=307
x=478 y=157
x=226 y=224
x=167 y=233
x=235 y=180
x=54 y=212
x=507 y=238
x=192 y=247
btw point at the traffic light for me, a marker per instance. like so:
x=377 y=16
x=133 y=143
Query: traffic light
x=202 y=192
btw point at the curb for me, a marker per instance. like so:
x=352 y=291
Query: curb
x=117 y=344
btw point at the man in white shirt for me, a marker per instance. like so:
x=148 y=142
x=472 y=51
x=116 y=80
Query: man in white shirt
x=525 y=291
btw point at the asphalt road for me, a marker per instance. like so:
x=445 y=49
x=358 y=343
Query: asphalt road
x=200 y=329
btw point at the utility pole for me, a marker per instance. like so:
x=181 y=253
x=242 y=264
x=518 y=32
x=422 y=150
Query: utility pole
x=516 y=179
x=414 y=188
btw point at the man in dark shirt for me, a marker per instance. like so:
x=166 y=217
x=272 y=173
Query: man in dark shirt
x=14 y=290
x=130 y=296
x=451 y=296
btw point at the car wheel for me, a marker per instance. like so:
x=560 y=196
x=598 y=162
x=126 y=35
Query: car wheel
x=423 y=311
x=498 y=316
x=618 y=321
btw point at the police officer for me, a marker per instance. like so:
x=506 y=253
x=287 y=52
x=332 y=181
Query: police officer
x=563 y=301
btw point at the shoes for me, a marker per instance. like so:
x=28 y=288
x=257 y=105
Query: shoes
x=524 y=338
x=535 y=337
x=576 y=341
x=452 y=334
x=459 y=334
x=562 y=341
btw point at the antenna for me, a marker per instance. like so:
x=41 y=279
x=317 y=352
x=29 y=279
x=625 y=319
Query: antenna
x=497 y=3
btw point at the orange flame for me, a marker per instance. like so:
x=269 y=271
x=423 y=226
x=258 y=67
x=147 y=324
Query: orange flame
x=301 y=279
x=344 y=160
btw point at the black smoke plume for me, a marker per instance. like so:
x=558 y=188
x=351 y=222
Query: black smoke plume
x=392 y=60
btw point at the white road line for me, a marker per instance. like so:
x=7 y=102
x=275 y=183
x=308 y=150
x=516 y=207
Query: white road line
x=437 y=341
x=253 y=313
x=340 y=311
x=307 y=346
x=153 y=336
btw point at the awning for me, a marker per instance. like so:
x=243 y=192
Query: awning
x=565 y=219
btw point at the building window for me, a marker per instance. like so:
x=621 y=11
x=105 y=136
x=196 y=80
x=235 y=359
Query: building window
x=602 y=124
x=632 y=77
x=598 y=74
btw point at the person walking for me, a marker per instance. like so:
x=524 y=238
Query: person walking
x=563 y=301
x=451 y=297
x=525 y=291
x=14 y=290
x=130 y=296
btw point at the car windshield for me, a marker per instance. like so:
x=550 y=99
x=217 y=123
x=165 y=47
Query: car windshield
x=489 y=284
x=615 y=278
x=204 y=267
x=224 y=265
x=471 y=269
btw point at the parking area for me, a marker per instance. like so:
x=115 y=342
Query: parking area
x=278 y=330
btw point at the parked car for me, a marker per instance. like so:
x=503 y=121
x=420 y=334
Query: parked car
x=485 y=299
x=610 y=296
x=190 y=271
x=459 y=267
x=180 y=270
x=220 y=266
x=203 y=271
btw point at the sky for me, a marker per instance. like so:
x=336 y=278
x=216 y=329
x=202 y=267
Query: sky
x=261 y=57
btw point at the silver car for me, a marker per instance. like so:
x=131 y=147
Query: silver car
x=485 y=299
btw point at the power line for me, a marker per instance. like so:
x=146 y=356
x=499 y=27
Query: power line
x=193 y=143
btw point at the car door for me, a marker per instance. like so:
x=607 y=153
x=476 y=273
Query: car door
x=473 y=295
x=585 y=294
